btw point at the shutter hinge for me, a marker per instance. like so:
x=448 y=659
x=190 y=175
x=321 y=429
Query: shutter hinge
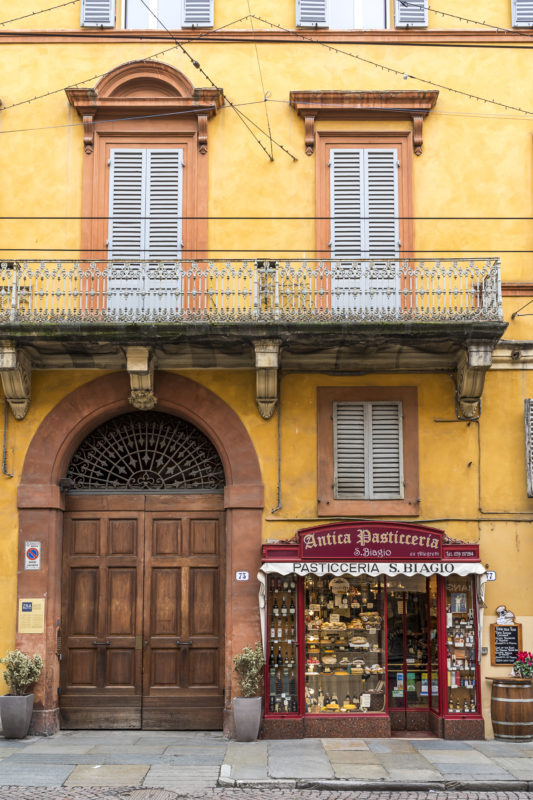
x=398 y=164
x=399 y=244
x=109 y=163
x=107 y=242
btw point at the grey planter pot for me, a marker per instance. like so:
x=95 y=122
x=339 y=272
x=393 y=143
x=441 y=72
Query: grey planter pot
x=15 y=713
x=247 y=712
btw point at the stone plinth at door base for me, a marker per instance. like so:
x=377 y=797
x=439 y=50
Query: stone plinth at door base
x=44 y=722
x=463 y=728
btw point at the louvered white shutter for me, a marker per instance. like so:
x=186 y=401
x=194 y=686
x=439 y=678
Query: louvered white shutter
x=346 y=193
x=522 y=13
x=386 y=469
x=164 y=187
x=529 y=445
x=349 y=451
x=381 y=198
x=98 y=13
x=411 y=13
x=311 y=13
x=126 y=204
x=198 y=13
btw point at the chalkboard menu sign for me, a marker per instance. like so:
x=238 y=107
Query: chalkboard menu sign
x=506 y=641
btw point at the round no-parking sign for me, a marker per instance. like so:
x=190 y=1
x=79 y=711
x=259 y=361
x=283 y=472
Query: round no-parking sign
x=32 y=555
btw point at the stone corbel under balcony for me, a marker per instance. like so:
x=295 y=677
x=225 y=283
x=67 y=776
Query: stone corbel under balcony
x=266 y=372
x=471 y=369
x=15 y=370
x=338 y=105
x=140 y=366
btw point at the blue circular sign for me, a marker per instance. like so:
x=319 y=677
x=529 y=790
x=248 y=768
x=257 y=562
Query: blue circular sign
x=32 y=554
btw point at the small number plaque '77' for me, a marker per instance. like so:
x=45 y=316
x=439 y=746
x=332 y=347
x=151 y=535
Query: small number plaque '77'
x=242 y=576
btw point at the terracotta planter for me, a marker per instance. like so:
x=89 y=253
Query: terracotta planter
x=247 y=712
x=15 y=713
x=512 y=708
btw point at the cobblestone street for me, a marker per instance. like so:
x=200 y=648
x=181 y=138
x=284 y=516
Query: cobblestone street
x=95 y=793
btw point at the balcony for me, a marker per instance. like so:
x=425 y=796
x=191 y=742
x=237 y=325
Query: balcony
x=329 y=315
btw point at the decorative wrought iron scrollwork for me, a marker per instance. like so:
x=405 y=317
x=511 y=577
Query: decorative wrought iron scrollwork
x=146 y=452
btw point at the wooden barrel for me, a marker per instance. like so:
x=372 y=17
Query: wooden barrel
x=512 y=708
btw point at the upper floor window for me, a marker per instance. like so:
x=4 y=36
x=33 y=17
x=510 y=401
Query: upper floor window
x=360 y=14
x=156 y=14
x=522 y=13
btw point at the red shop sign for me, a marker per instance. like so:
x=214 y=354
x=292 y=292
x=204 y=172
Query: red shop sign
x=370 y=541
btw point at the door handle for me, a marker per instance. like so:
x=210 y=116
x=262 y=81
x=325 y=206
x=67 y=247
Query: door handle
x=179 y=643
x=102 y=644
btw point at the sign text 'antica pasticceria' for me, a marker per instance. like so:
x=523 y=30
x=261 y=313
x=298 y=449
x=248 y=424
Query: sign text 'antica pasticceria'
x=371 y=540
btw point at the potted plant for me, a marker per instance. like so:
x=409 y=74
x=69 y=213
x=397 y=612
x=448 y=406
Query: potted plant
x=21 y=672
x=523 y=666
x=249 y=665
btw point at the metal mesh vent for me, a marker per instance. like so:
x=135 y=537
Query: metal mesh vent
x=146 y=452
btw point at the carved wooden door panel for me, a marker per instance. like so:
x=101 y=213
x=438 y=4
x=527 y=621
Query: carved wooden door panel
x=102 y=619
x=183 y=621
x=142 y=613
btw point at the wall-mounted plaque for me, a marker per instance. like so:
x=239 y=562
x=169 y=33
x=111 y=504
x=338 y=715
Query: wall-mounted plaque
x=506 y=643
x=31 y=615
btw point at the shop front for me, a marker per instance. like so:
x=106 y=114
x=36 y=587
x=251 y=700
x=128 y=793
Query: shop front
x=370 y=628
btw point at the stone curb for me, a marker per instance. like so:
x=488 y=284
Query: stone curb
x=381 y=786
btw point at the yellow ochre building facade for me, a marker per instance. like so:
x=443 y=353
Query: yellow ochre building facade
x=265 y=350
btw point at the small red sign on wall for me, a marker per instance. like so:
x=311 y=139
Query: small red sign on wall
x=375 y=541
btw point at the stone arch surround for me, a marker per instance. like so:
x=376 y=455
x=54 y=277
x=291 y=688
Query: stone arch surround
x=41 y=505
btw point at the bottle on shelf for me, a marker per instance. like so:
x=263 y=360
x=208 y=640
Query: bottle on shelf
x=279 y=659
x=271 y=660
x=275 y=607
x=292 y=609
x=284 y=608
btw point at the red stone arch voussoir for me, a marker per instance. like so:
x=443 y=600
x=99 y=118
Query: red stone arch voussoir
x=41 y=506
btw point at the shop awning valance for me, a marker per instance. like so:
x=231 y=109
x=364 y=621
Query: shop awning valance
x=405 y=569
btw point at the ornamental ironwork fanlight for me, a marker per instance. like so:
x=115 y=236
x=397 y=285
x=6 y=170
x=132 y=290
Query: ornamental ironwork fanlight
x=145 y=452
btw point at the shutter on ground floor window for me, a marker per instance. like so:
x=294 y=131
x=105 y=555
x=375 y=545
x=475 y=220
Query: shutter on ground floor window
x=529 y=446
x=98 y=12
x=312 y=12
x=386 y=451
x=368 y=451
x=198 y=13
x=411 y=13
x=522 y=13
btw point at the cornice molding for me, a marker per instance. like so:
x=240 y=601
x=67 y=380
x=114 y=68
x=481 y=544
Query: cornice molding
x=444 y=36
x=517 y=289
x=340 y=105
x=144 y=88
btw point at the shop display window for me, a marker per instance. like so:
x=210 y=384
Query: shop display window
x=407 y=635
x=282 y=661
x=344 y=659
x=461 y=645
x=433 y=642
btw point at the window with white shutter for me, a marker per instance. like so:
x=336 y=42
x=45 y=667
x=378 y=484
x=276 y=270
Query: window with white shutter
x=312 y=13
x=198 y=13
x=145 y=229
x=529 y=445
x=98 y=13
x=364 y=225
x=522 y=13
x=154 y=14
x=368 y=452
x=411 y=13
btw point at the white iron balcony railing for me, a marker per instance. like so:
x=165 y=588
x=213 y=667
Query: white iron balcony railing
x=283 y=291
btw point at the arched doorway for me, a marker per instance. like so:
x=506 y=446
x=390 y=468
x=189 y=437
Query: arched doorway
x=143 y=578
x=45 y=510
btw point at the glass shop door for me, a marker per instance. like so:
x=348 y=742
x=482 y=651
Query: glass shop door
x=408 y=676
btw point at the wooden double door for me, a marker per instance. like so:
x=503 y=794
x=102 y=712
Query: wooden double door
x=142 y=612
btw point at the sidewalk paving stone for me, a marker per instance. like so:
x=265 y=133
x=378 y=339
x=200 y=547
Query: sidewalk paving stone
x=298 y=759
x=41 y=775
x=373 y=772
x=352 y=757
x=345 y=744
x=456 y=757
x=390 y=746
x=247 y=760
x=107 y=775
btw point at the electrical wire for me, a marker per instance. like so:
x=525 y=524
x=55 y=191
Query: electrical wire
x=279 y=218
x=261 y=79
x=103 y=74
x=261 y=249
x=484 y=24
x=196 y=64
x=42 y=11
x=394 y=71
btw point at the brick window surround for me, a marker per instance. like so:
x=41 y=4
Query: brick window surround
x=327 y=505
